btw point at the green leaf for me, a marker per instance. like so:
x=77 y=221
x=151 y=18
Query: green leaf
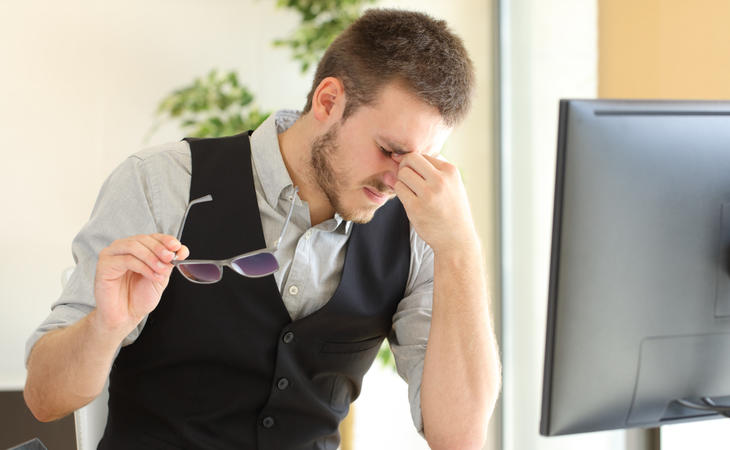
x=320 y=22
x=385 y=356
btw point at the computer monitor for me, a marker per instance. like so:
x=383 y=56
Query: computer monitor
x=639 y=291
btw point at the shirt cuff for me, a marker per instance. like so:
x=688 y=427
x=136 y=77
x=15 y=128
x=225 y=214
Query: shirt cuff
x=61 y=316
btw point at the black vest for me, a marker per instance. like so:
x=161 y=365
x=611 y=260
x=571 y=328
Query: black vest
x=222 y=366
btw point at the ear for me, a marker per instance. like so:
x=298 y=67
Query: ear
x=328 y=101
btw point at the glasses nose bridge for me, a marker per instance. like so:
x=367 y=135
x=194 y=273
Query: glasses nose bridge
x=235 y=267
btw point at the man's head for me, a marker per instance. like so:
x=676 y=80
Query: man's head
x=411 y=48
x=355 y=162
x=394 y=82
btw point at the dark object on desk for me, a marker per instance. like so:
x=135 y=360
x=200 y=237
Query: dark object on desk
x=639 y=298
x=17 y=424
x=33 y=444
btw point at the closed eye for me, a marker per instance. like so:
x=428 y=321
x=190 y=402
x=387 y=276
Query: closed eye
x=390 y=153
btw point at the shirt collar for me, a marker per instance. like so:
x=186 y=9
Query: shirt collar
x=267 y=159
x=269 y=165
x=347 y=224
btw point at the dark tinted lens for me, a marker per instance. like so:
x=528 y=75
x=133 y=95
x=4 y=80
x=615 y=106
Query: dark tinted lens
x=202 y=272
x=257 y=265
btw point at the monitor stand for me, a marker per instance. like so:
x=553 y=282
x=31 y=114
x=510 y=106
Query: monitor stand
x=643 y=439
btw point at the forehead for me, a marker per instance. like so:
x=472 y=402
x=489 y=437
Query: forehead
x=402 y=121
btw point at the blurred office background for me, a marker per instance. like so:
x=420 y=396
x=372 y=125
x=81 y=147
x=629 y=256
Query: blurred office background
x=80 y=81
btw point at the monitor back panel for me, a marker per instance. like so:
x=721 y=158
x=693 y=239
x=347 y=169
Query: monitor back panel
x=637 y=254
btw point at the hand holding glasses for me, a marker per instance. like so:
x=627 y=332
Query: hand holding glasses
x=255 y=264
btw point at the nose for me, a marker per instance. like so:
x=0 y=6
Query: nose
x=391 y=176
x=390 y=179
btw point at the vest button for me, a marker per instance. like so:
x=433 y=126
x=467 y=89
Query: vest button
x=268 y=422
x=282 y=384
x=288 y=337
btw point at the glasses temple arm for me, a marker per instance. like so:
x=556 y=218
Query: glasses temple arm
x=207 y=198
x=288 y=217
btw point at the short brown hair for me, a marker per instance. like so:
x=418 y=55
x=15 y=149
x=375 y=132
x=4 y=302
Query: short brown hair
x=386 y=45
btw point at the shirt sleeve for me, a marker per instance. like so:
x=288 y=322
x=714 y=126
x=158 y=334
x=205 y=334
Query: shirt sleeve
x=412 y=323
x=126 y=206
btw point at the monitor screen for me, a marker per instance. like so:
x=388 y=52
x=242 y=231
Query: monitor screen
x=639 y=291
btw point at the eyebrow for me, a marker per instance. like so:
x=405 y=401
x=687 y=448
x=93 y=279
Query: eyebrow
x=393 y=146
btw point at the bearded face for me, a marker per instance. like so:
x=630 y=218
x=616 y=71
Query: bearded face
x=339 y=182
x=355 y=163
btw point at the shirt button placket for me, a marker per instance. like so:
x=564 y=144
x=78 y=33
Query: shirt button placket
x=268 y=422
x=282 y=383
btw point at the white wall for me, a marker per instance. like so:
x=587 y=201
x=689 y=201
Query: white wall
x=549 y=51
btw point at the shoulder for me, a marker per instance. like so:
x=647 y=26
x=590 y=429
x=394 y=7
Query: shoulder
x=161 y=174
x=169 y=157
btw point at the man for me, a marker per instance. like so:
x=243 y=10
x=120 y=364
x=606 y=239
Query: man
x=211 y=358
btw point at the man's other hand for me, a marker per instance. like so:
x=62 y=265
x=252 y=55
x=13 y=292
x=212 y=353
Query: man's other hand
x=435 y=200
x=131 y=275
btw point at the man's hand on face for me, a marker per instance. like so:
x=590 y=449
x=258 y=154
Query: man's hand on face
x=435 y=200
x=131 y=275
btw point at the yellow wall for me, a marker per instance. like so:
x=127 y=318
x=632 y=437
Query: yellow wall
x=664 y=49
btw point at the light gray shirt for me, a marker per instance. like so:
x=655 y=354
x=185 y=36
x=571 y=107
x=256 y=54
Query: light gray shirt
x=148 y=193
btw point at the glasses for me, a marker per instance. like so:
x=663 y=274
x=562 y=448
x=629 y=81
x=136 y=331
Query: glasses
x=255 y=264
